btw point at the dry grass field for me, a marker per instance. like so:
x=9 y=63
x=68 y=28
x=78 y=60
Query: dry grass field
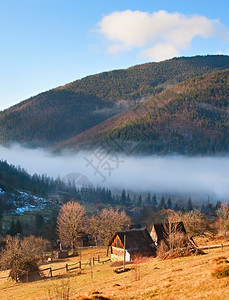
x=149 y=278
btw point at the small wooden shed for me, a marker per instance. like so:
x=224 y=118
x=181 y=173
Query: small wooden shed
x=160 y=231
x=135 y=242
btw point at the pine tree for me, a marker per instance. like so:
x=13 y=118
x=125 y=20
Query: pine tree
x=169 y=204
x=203 y=208
x=162 y=204
x=176 y=207
x=154 y=200
x=123 y=198
x=39 y=221
x=128 y=201
x=139 y=201
x=148 y=199
x=12 y=230
x=218 y=205
x=18 y=228
x=190 y=208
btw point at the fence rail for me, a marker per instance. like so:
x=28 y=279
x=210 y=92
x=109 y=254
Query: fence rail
x=213 y=246
x=78 y=265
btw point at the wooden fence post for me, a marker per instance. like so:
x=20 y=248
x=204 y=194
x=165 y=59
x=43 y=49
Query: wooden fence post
x=91 y=271
x=98 y=259
x=50 y=272
x=66 y=267
x=80 y=264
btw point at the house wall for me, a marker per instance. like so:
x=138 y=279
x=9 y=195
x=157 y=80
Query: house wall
x=154 y=236
x=118 y=253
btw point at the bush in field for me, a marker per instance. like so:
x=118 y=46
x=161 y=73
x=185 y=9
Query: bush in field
x=174 y=244
x=221 y=271
x=22 y=257
x=162 y=249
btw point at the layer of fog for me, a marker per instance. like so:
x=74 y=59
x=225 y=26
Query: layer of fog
x=173 y=174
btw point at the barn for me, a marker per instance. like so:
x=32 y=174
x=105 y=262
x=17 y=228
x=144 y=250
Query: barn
x=160 y=231
x=135 y=242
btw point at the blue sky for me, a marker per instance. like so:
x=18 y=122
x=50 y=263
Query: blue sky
x=47 y=43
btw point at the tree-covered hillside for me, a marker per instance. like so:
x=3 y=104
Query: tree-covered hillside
x=188 y=118
x=64 y=112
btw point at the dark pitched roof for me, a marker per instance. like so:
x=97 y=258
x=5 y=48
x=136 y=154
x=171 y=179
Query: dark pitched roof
x=136 y=240
x=135 y=226
x=163 y=228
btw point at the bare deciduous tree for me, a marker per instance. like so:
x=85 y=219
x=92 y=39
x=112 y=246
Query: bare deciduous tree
x=175 y=238
x=70 y=222
x=196 y=223
x=223 y=218
x=105 y=223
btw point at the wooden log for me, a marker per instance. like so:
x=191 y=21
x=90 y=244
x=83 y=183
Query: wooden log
x=212 y=246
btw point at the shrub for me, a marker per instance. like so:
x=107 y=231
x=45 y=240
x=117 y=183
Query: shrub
x=220 y=260
x=22 y=257
x=162 y=250
x=222 y=271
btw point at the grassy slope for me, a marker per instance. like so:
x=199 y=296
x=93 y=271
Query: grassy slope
x=181 y=278
x=62 y=113
x=194 y=111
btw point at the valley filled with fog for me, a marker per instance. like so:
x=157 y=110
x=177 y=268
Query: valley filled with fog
x=203 y=176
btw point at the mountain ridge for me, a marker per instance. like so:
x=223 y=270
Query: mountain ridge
x=206 y=94
x=62 y=113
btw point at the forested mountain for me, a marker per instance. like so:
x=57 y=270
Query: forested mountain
x=65 y=112
x=188 y=118
x=20 y=190
x=16 y=178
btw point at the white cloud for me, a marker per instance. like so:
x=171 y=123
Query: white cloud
x=160 y=52
x=158 y=35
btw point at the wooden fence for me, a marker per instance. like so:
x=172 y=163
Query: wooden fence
x=50 y=271
x=70 y=267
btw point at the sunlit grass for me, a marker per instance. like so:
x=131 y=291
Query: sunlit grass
x=182 y=278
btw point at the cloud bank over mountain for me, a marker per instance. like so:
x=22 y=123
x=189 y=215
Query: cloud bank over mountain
x=158 y=35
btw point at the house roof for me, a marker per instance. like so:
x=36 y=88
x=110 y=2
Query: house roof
x=136 y=240
x=163 y=228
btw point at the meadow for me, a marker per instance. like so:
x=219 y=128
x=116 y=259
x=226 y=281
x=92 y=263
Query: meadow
x=148 y=278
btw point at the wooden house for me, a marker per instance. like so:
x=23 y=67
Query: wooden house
x=160 y=232
x=134 y=242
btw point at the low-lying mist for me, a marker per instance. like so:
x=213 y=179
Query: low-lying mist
x=169 y=174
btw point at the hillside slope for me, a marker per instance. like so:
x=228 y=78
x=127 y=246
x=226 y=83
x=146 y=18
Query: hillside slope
x=188 y=118
x=64 y=112
x=147 y=278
